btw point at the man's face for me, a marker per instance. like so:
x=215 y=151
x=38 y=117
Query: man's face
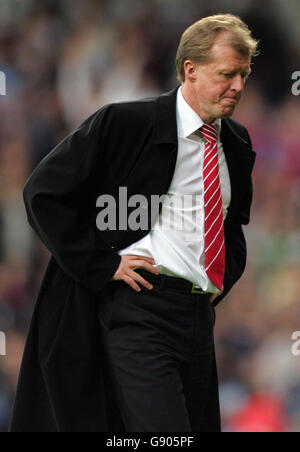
x=217 y=85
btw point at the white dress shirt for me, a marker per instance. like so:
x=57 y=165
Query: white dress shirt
x=176 y=241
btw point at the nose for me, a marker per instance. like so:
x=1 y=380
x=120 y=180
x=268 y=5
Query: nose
x=238 y=84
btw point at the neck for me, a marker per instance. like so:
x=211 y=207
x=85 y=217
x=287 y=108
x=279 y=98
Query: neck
x=191 y=98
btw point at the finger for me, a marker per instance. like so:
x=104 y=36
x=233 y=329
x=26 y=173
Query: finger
x=131 y=283
x=145 y=265
x=213 y=297
x=149 y=259
x=141 y=280
x=151 y=268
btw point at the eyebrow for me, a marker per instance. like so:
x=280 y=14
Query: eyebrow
x=232 y=71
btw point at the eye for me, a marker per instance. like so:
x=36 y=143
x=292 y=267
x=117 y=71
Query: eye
x=228 y=75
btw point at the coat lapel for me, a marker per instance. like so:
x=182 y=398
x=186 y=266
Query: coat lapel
x=240 y=161
x=165 y=124
x=164 y=137
x=239 y=156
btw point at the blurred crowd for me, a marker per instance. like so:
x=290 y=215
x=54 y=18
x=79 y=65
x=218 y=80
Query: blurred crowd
x=63 y=60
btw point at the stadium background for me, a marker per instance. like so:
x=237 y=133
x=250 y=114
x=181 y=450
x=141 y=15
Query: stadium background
x=65 y=59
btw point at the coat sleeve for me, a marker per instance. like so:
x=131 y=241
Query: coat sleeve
x=55 y=196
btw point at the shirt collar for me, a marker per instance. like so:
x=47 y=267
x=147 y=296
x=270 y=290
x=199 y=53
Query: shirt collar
x=188 y=122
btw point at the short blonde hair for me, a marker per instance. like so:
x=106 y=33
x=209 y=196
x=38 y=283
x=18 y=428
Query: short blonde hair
x=197 y=41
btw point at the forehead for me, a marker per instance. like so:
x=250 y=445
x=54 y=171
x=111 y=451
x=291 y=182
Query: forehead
x=223 y=54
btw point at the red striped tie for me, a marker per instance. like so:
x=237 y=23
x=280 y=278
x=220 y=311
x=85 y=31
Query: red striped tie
x=214 y=221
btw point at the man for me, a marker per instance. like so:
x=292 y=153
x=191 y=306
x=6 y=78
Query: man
x=148 y=364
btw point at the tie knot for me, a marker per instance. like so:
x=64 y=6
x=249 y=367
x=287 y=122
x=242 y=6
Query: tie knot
x=210 y=132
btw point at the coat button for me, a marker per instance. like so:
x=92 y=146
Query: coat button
x=114 y=247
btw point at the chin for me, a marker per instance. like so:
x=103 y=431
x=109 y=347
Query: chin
x=227 y=113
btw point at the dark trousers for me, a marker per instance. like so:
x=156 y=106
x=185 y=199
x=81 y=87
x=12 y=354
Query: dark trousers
x=160 y=352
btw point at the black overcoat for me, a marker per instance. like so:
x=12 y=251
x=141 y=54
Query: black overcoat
x=63 y=383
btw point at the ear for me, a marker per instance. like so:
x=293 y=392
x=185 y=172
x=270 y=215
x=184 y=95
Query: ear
x=190 y=70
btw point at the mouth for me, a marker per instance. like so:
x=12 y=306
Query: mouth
x=230 y=100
